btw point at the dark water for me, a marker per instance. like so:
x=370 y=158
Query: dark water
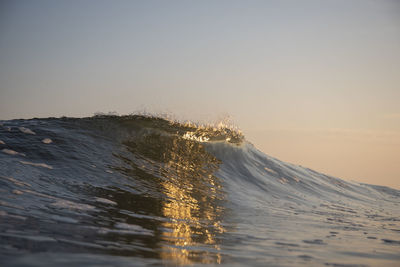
x=133 y=190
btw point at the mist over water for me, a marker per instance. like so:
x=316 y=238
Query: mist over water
x=140 y=190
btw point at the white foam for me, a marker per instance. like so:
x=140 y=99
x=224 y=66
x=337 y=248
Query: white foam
x=17 y=192
x=270 y=170
x=12 y=152
x=43 y=165
x=47 y=141
x=66 y=204
x=105 y=201
x=30 y=237
x=26 y=130
x=64 y=219
x=194 y=137
x=9 y=151
x=283 y=180
x=15 y=181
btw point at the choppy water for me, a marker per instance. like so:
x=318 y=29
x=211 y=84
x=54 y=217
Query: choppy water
x=134 y=190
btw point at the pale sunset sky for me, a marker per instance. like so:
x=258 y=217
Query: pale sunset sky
x=315 y=83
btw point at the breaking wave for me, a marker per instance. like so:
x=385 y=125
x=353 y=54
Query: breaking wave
x=141 y=190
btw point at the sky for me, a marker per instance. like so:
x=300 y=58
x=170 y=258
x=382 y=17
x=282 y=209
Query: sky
x=315 y=83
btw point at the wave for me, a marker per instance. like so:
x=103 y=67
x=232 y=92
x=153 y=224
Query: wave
x=115 y=188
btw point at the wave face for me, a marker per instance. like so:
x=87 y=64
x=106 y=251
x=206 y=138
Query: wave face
x=136 y=190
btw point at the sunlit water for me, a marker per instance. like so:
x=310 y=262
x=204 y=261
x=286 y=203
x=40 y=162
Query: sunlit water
x=136 y=190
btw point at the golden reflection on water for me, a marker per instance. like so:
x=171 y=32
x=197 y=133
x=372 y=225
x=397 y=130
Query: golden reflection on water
x=192 y=206
x=192 y=201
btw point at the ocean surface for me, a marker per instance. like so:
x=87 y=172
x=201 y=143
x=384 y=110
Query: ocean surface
x=145 y=191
